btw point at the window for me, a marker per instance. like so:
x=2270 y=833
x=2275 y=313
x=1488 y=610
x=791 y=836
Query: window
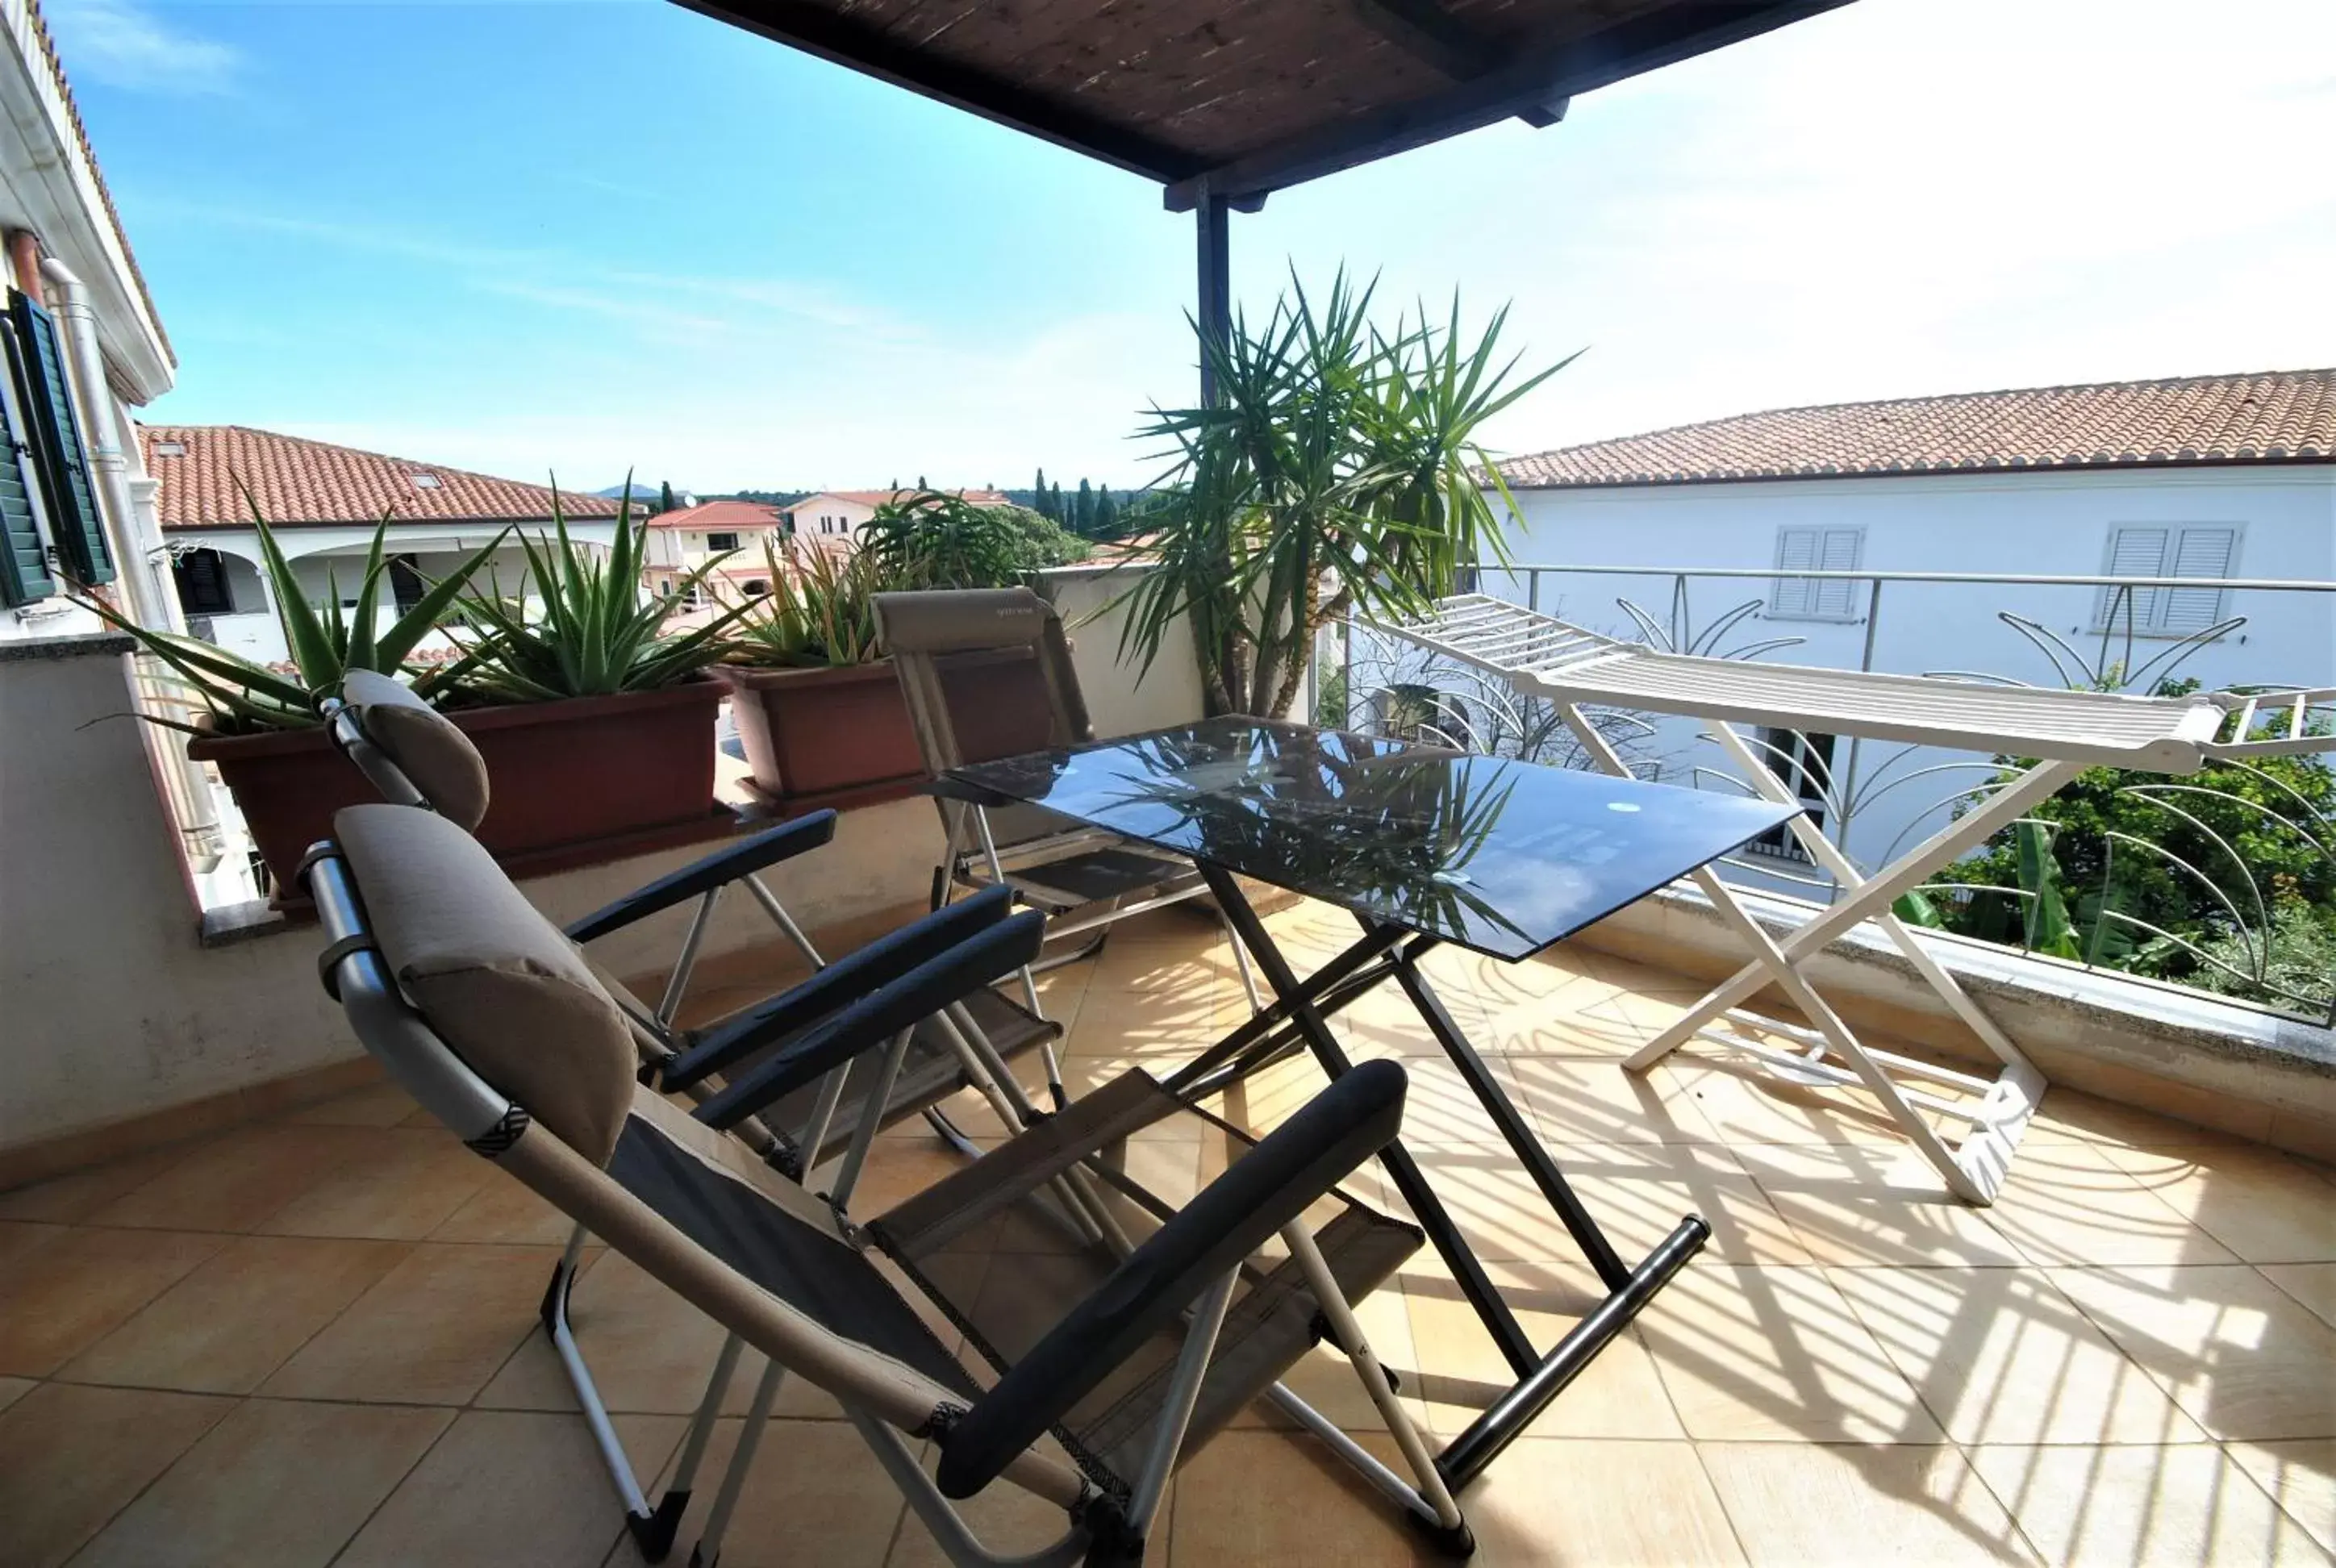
x=1805 y=764
x=169 y=448
x=1816 y=550
x=406 y=583
x=757 y=587
x=2199 y=550
x=425 y=482
x=721 y=542
x=203 y=586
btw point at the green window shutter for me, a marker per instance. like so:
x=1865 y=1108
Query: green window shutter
x=58 y=449
x=24 y=561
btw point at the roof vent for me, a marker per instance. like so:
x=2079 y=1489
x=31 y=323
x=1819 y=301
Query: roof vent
x=425 y=482
x=169 y=448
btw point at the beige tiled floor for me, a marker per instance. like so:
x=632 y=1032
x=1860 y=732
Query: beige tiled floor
x=315 y=1340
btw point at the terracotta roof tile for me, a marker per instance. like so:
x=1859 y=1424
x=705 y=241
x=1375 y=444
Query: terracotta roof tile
x=296 y=480
x=721 y=515
x=2268 y=417
x=885 y=497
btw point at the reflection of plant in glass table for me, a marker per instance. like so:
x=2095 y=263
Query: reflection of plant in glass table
x=1396 y=826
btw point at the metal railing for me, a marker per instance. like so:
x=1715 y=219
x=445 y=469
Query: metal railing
x=2145 y=653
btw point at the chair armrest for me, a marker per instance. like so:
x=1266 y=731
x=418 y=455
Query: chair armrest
x=1269 y=1187
x=716 y=1047
x=876 y=1018
x=766 y=848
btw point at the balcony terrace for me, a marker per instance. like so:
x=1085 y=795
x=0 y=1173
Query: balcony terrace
x=312 y=1338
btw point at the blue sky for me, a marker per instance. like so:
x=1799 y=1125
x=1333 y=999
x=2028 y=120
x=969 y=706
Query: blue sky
x=584 y=237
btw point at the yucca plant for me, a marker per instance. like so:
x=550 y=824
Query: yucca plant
x=1337 y=469
x=821 y=612
x=236 y=696
x=580 y=625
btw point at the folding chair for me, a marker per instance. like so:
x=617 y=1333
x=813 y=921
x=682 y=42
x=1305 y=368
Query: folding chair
x=415 y=757
x=1129 y=1340
x=986 y=673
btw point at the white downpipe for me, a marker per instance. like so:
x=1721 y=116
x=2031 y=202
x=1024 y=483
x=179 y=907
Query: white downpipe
x=140 y=563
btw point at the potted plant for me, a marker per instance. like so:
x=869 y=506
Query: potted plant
x=258 y=724
x=597 y=731
x=1336 y=471
x=817 y=707
x=596 y=724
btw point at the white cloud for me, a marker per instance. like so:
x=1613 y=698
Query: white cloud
x=118 y=42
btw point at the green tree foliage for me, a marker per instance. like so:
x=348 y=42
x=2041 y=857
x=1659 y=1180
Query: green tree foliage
x=935 y=540
x=2188 y=878
x=1083 y=511
x=1039 y=496
x=665 y=496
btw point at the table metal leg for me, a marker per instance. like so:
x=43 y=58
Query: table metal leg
x=1298 y=1000
x=1522 y=1140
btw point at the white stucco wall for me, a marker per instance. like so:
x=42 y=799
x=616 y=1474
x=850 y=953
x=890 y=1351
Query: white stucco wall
x=323 y=557
x=1120 y=699
x=2040 y=523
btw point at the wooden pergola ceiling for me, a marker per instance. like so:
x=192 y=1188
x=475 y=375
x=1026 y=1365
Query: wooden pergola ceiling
x=1230 y=99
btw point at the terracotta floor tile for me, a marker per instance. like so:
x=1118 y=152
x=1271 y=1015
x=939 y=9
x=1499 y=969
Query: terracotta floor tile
x=2001 y=1355
x=14 y=1388
x=1746 y=1104
x=380 y=1105
x=1549 y=1504
x=277 y=1483
x=1326 y=1379
x=1007 y=1519
x=72 y=1457
x=2141 y=1507
x=391 y=1183
x=1806 y=1506
x=504 y=1211
x=224 y=1327
x=650 y=1351
x=2299 y=1476
x=2070 y=1204
x=66 y=1294
x=1861 y=1204
x=2263 y=1206
x=509 y=1489
x=2240 y=1357
x=2313 y=1284
x=1593 y=1100
x=1776 y=1355
x=69 y=1199
x=1272 y=1496
x=816 y=1495
x=1459 y=1371
x=433 y=1330
x=233 y=1182
x=1637 y=1192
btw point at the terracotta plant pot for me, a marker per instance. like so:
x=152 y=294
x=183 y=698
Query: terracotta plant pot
x=618 y=774
x=824 y=737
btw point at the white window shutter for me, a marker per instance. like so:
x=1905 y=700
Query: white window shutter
x=1797 y=550
x=2134 y=552
x=1843 y=548
x=2198 y=552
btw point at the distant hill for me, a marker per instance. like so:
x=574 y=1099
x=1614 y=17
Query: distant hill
x=643 y=490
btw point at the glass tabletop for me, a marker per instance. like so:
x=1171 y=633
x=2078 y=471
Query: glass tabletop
x=1502 y=856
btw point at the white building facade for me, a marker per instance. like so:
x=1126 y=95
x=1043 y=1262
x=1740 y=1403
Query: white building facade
x=1676 y=506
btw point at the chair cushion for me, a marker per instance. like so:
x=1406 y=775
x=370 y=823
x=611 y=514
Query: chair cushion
x=496 y=979
x=423 y=743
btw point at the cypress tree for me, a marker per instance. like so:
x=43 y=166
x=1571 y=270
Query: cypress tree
x=1038 y=495
x=665 y=495
x=1083 y=519
x=1106 y=514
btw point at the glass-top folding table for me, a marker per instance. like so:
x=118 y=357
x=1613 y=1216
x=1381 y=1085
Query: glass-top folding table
x=1423 y=846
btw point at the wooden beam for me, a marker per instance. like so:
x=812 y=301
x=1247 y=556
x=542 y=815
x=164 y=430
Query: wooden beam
x=1424 y=29
x=1538 y=78
x=870 y=50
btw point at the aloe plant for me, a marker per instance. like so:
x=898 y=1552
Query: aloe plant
x=240 y=696
x=588 y=629
x=821 y=610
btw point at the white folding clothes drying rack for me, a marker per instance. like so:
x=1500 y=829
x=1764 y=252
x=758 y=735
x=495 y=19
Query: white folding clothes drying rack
x=1541 y=657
